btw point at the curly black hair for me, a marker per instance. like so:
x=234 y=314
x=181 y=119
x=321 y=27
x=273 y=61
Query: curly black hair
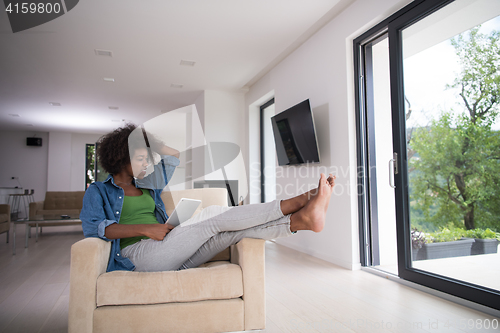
x=113 y=151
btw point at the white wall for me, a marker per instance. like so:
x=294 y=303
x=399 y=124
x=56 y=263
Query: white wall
x=59 y=165
x=322 y=70
x=198 y=136
x=224 y=121
x=224 y=116
x=59 y=171
x=27 y=163
x=66 y=160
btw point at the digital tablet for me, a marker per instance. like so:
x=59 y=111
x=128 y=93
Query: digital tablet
x=183 y=211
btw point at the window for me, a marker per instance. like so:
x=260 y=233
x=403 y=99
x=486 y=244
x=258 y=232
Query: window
x=89 y=164
x=267 y=153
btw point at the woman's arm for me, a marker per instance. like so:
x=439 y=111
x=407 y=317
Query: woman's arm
x=153 y=231
x=161 y=148
x=166 y=150
x=164 y=170
x=96 y=215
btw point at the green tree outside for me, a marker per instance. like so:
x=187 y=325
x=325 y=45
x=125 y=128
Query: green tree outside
x=90 y=165
x=455 y=169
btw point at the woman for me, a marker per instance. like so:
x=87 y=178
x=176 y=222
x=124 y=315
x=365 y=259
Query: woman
x=127 y=210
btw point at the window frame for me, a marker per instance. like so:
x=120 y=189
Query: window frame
x=262 y=146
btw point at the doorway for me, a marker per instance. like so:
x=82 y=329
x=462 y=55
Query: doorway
x=267 y=153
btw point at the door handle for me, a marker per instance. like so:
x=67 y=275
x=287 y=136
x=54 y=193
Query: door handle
x=393 y=169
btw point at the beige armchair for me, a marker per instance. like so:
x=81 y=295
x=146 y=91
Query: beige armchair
x=225 y=294
x=5 y=220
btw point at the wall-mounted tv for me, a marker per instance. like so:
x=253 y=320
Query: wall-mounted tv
x=295 y=135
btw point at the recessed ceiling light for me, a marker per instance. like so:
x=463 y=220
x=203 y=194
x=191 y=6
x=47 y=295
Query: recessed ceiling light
x=109 y=79
x=55 y=104
x=176 y=85
x=104 y=53
x=14 y=115
x=113 y=107
x=187 y=63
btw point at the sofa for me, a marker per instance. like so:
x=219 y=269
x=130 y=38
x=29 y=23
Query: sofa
x=5 y=219
x=57 y=204
x=225 y=294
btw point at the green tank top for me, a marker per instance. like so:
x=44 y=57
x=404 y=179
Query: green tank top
x=137 y=210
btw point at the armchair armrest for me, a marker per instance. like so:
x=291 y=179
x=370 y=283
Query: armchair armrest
x=249 y=255
x=34 y=207
x=89 y=258
x=5 y=209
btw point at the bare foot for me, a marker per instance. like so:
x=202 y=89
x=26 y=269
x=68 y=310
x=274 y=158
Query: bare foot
x=314 y=191
x=294 y=204
x=312 y=216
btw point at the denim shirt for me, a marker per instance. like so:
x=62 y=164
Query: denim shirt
x=103 y=202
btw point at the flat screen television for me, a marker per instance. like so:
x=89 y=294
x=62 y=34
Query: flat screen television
x=295 y=135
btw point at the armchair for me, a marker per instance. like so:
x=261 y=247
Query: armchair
x=224 y=294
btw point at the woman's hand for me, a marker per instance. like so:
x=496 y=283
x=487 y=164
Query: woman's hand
x=157 y=231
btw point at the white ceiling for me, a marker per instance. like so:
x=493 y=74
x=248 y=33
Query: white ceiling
x=233 y=42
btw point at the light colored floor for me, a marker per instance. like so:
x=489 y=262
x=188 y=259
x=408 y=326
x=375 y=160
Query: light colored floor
x=304 y=294
x=34 y=284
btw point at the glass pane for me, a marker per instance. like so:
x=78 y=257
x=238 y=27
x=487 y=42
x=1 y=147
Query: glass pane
x=380 y=152
x=452 y=93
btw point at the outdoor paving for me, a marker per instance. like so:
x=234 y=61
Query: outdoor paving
x=483 y=269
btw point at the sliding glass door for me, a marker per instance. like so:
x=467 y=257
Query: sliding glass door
x=381 y=248
x=444 y=61
x=452 y=81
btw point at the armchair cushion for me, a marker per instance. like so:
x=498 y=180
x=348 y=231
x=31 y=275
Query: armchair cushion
x=215 y=280
x=215 y=196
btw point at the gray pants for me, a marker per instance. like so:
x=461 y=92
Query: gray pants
x=199 y=239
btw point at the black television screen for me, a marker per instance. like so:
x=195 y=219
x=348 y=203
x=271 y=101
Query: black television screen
x=295 y=136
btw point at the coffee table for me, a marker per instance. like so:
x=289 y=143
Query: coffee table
x=41 y=223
